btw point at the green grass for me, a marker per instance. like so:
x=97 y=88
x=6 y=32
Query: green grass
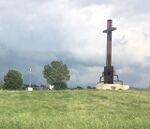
x=75 y=109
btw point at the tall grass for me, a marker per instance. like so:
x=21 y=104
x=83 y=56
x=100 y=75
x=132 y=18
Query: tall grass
x=75 y=109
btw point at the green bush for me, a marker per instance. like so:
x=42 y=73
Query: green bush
x=13 y=80
x=1 y=84
x=60 y=86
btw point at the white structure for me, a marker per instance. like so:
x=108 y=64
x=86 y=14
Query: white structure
x=30 y=89
x=102 y=86
x=51 y=87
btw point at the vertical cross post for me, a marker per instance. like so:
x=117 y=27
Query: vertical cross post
x=108 y=69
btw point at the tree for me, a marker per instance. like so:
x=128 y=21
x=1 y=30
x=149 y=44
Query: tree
x=1 y=84
x=57 y=74
x=13 y=80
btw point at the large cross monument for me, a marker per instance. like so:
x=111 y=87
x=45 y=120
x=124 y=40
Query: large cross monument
x=108 y=69
x=109 y=79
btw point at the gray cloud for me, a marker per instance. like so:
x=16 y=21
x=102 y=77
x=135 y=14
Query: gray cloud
x=120 y=42
x=147 y=58
x=93 y=2
x=129 y=11
x=121 y=7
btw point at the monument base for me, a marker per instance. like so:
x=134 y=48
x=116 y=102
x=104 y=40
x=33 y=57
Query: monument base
x=102 y=86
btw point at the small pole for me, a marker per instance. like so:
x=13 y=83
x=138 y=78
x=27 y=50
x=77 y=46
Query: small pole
x=3 y=75
x=30 y=77
x=30 y=86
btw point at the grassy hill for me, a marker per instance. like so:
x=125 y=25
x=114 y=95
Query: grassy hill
x=75 y=109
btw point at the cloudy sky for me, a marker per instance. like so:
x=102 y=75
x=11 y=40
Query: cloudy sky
x=35 y=32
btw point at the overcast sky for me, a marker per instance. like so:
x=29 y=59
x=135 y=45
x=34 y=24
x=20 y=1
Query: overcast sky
x=35 y=32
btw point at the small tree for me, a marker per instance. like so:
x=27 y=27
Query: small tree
x=13 y=80
x=1 y=84
x=57 y=74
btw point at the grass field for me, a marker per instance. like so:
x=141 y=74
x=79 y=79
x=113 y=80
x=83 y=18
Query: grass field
x=75 y=109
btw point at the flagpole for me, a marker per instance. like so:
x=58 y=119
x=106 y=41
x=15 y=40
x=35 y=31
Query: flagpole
x=30 y=77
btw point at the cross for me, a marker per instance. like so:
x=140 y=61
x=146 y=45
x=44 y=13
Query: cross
x=109 y=41
x=108 y=69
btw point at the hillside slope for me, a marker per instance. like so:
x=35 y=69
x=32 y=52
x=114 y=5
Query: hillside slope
x=75 y=109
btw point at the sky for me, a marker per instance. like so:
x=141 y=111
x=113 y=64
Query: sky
x=35 y=32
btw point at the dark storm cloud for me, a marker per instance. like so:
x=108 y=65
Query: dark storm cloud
x=133 y=73
x=74 y=61
x=24 y=60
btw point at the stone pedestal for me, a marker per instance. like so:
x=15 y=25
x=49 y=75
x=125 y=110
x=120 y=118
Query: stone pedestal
x=102 y=86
